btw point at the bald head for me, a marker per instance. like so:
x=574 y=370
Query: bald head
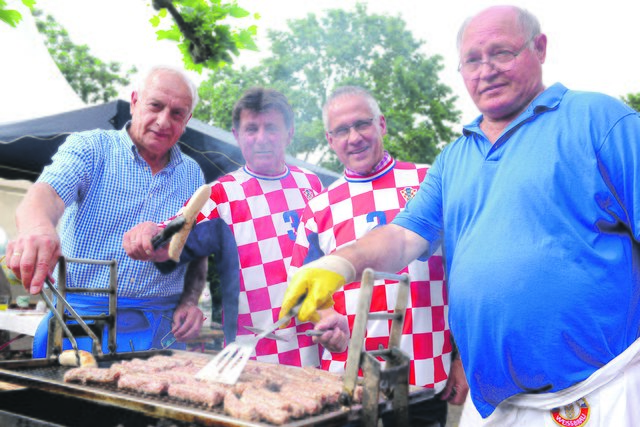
x=525 y=20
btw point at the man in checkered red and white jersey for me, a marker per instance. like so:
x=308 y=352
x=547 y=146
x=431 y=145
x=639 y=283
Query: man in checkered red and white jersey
x=250 y=224
x=375 y=187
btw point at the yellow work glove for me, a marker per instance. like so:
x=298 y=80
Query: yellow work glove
x=317 y=281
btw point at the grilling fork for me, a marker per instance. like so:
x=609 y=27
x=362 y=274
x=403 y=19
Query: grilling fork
x=227 y=366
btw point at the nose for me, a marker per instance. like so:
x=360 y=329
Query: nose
x=163 y=118
x=260 y=135
x=490 y=68
x=352 y=131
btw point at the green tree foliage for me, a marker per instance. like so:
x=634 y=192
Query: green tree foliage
x=10 y=16
x=318 y=54
x=91 y=78
x=221 y=91
x=633 y=100
x=203 y=40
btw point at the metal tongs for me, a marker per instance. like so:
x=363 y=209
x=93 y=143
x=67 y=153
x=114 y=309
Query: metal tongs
x=227 y=366
x=167 y=233
x=62 y=323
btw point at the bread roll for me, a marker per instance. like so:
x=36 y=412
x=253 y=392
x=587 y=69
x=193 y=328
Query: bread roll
x=68 y=358
x=190 y=214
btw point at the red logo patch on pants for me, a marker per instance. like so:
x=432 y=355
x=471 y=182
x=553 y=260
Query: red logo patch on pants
x=575 y=414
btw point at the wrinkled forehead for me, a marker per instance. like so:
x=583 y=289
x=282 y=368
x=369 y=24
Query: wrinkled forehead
x=349 y=105
x=265 y=115
x=491 y=27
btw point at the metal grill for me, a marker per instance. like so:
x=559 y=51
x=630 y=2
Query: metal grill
x=391 y=383
x=48 y=376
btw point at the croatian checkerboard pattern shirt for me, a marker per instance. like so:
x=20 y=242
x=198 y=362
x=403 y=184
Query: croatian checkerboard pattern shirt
x=345 y=211
x=263 y=214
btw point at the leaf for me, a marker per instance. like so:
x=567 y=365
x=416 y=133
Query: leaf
x=172 y=34
x=11 y=17
x=245 y=41
x=238 y=12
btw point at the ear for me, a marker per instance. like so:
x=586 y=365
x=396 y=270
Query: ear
x=383 y=125
x=186 y=122
x=134 y=101
x=540 y=45
x=235 y=133
x=290 y=133
x=329 y=140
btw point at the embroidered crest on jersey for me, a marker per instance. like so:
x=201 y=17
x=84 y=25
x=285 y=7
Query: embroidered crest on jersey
x=575 y=414
x=408 y=193
x=307 y=193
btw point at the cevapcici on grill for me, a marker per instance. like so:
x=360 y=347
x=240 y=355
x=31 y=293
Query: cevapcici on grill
x=209 y=395
x=265 y=392
x=91 y=375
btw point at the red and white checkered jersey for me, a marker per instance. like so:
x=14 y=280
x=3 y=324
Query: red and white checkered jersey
x=345 y=211
x=263 y=214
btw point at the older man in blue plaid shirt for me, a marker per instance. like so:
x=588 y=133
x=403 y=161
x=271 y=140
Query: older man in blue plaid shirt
x=100 y=184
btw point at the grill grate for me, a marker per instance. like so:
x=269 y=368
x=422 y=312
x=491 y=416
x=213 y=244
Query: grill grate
x=48 y=375
x=50 y=378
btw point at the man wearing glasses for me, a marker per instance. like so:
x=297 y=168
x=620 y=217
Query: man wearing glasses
x=538 y=205
x=374 y=188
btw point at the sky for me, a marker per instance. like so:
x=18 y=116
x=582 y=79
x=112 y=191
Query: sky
x=591 y=44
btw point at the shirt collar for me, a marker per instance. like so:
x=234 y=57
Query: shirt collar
x=381 y=168
x=548 y=100
x=267 y=177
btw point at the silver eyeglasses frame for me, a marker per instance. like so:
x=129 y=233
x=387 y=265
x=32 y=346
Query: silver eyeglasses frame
x=501 y=62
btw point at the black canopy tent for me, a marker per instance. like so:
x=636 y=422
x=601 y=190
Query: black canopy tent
x=27 y=146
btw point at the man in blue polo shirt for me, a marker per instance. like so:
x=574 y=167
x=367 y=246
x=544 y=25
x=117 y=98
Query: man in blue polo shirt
x=536 y=203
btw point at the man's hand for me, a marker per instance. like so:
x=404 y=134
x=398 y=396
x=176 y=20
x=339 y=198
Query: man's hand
x=456 y=390
x=336 y=331
x=33 y=255
x=317 y=281
x=187 y=322
x=137 y=243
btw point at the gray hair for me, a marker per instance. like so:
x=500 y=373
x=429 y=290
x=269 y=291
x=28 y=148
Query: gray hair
x=529 y=25
x=345 y=91
x=193 y=89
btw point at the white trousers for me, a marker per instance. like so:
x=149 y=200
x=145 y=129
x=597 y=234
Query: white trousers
x=609 y=397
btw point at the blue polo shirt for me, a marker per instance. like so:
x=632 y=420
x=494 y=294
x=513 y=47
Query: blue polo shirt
x=540 y=234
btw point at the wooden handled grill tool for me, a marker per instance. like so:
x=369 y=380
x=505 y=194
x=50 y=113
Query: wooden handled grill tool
x=392 y=380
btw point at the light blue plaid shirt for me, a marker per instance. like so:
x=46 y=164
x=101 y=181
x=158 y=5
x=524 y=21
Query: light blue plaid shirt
x=108 y=188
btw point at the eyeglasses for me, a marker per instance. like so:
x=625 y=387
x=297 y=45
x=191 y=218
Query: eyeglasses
x=501 y=61
x=359 y=126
